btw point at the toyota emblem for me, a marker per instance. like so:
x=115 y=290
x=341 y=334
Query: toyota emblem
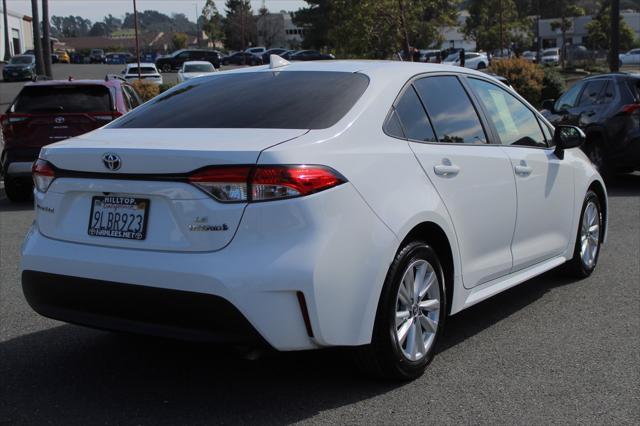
x=111 y=161
x=59 y=120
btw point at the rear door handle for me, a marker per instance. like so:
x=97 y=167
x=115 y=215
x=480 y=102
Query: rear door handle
x=446 y=170
x=523 y=170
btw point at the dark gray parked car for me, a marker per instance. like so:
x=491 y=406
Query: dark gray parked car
x=607 y=108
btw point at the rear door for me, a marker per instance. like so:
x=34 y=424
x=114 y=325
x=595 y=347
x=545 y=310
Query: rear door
x=592 y=102
x=544 y=183
x=473 y=178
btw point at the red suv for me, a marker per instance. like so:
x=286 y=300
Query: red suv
x=50 y=111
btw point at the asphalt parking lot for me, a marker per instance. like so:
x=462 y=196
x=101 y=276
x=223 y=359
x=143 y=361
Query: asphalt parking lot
x=549 y=351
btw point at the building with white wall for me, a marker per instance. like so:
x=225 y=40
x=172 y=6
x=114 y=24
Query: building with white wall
x=578 y=33
x=278 y=30
x=20 y=33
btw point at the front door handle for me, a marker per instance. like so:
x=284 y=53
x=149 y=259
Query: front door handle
x=523 y=170
x=446 y=170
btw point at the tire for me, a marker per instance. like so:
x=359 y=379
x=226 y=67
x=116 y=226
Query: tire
x=18 y=190
x=166 y=68
x=581 y=266
x=389 y=355
x=595 y=151
x=481 y=66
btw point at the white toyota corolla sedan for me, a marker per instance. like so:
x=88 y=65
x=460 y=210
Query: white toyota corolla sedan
x=309 y=205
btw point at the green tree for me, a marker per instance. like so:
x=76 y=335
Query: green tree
x=374 y=28
x=599 y=31
x=239 y=25
x=495 y=24
x=179 y=41
x=315 y=21
x=211 y=21
x=568 y=12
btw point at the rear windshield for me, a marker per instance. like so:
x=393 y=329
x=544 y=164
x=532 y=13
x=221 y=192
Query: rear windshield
x=21 y=60
x=144 y=70
x=270 y=100
x=65 y=99
x=198 y=68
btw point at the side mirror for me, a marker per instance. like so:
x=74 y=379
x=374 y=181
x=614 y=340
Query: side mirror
x=566 y=137
x=548 y=104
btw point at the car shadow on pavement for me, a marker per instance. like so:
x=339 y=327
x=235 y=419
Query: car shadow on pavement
x=624 y=185
x=73 y=375
x=8 y=206
x=477 y=318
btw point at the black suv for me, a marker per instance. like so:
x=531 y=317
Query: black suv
x=607 y=108
x=175 y=60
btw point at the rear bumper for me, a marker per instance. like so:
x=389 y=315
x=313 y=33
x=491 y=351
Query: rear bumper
x=17 y=162
x=328 y=246
x=135 y=308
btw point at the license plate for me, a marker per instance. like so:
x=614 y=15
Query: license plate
x=118 y=217
x=14 y=73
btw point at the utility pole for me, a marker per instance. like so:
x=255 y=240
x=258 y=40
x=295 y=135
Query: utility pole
x=244 y=58
x=197 y=25
x=37 y=42
x=46 y=39
x=7 y=46
x=614 y=48
x=539 y=39
x=135 y=26
x=500 y=19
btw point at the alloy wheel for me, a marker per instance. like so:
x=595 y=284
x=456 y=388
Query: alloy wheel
x=590 y=235
x=417 y=309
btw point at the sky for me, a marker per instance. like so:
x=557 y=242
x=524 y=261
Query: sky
x=95 y=10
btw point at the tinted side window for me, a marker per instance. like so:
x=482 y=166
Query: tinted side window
x=569 y=98
x=131 y=95
x=268 y=100
x=591 y=91
x=413 y=118
x=392 y=127
x=608 y=93
x=453 y=116
x=516 y=124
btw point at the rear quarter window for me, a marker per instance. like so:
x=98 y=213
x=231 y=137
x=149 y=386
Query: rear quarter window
x=63 y=99
x=269 y=100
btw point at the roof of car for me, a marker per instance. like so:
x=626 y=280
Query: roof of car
x=107 y=83
x=394 y=68
x=142 y=64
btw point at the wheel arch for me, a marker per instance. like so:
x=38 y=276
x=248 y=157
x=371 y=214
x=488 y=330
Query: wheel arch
x=435 y=236
x=597 y=187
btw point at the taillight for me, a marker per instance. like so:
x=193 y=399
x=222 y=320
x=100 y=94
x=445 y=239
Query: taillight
x=274 y=182
x=43 y=175
x=227 y=184
x=264 y=183
x=630 y=109
x=8 y=119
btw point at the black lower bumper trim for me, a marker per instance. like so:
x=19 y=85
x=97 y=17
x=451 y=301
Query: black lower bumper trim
x=137 y=309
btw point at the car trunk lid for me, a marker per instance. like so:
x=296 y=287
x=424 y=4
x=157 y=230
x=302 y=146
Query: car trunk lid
x=152 y=177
